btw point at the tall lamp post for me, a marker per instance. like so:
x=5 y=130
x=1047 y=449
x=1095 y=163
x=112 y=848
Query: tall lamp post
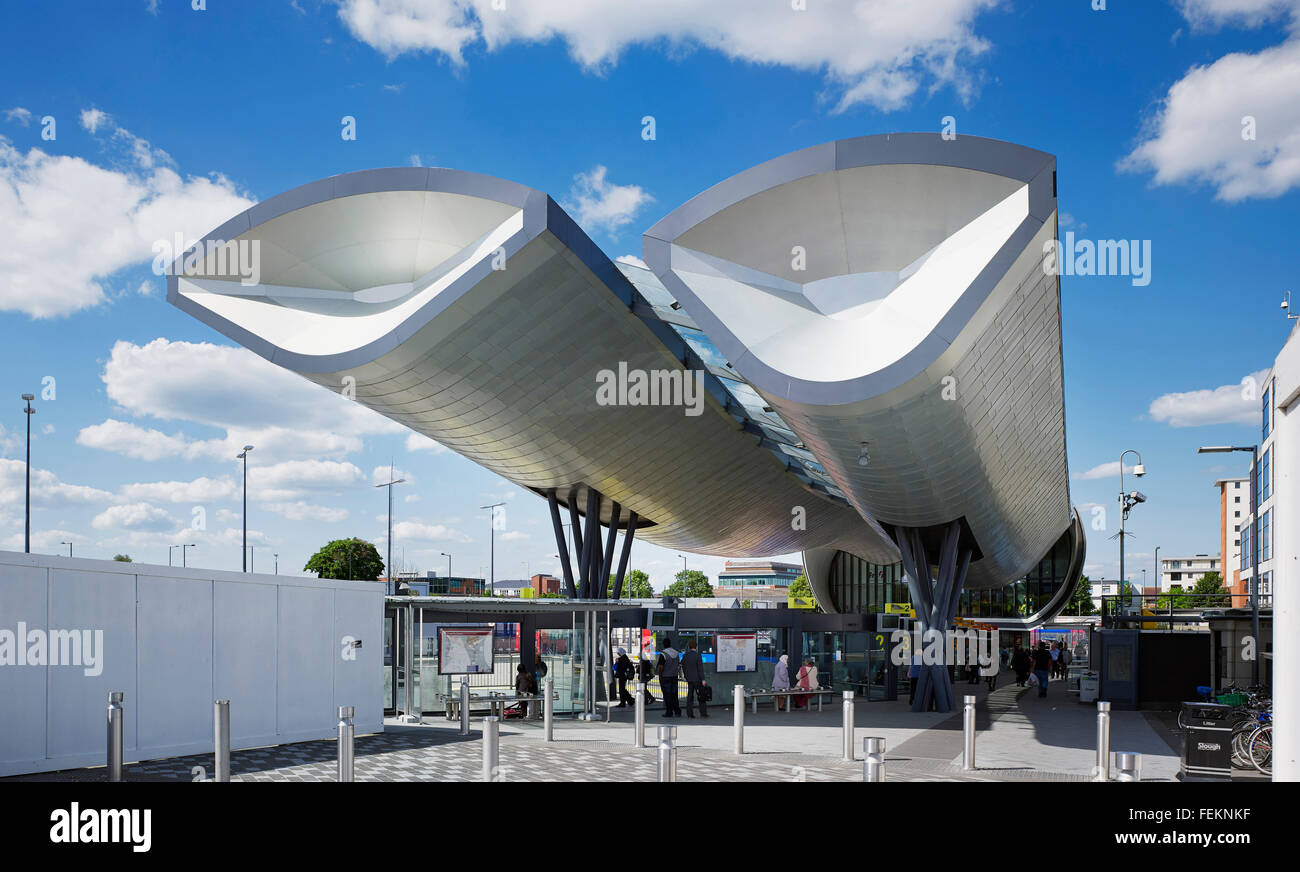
x=1127 y=501
x=492 y=544
x=69 y=544
x=277 y=562
x=1254 y=543
x=243 y=455
x=183 y=547
x=448 y=556
x=392 y=578
x=27 y=514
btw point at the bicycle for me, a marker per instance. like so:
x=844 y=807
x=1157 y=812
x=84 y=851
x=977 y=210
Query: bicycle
x=1260 y=749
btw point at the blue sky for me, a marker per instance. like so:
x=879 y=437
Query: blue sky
x=168 y=119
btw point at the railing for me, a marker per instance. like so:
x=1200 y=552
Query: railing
x=1175 y=607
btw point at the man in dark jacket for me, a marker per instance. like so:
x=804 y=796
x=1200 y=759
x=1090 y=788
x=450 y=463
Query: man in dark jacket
x=1042 y=667
x=668 y=667
x=693 y=672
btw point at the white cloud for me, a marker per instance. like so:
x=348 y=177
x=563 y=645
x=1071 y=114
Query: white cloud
x=19 y=115
x=47 y=490
x=598 y=204
x=93 y=119
x=281 y=414
x=293 y=479
x=513 y=536
x=70 y=224
x=633 y=260
x=414 y=530
x=200 y=490
x=1105 y=470
x=134 y=516
x=301 y=511
x=1198 y=134
x=878 y=52
x=1229 y=404
x=381 y=474
x=420 y=442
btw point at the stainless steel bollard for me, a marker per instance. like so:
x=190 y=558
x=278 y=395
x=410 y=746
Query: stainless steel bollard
x=638 y=726
x=346 y=735
x=738 y=705
x=548 y=710
x=491 y=747
x=464 y=707
x=1103 y=741
x=221 y=740
x=114 y=756
x=667 y=754
x=848 y=725
x=1129 y=764
x=968 y=733
x=873 y=767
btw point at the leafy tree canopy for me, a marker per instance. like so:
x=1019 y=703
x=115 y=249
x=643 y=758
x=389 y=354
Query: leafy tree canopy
x=636 y=585
x=800 y=587
x=690 y=583
x=122 y=558
x=347 y=558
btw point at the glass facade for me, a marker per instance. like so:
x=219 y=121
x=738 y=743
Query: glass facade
x=859 y=586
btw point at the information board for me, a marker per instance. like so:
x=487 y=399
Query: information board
x=464 y=650
x=737 y=652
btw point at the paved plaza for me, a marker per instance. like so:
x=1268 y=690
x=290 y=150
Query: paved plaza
x=1021 y=737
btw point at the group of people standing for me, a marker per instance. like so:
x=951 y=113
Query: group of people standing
x=1045 y=663
x=806 y=679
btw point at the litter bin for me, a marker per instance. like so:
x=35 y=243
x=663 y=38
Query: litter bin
x=1207 y=742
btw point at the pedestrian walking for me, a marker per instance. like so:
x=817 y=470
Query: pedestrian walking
x=693 y=672
x=1042 y=667
x=668 y=668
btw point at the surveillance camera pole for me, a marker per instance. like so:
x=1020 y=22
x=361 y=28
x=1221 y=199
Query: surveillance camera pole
x=1123 y=516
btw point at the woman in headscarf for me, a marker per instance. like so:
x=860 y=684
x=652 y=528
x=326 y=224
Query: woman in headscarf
x=807 y=681
x=781 y=679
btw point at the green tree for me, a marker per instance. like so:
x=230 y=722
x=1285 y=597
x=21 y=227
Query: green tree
x=690 y=583
x=636 y=585
x=122 y=558
x=1208 y=592
x=1081 y=600
x=347 y=558
x=801 y=587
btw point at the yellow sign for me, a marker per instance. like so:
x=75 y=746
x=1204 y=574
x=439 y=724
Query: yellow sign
x=900 y=609
x=801 y=602
x=528 y=593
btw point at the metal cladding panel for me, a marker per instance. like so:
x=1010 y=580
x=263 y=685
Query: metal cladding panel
x=501 y=366
x=968 y=422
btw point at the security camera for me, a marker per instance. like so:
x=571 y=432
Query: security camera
x=1139 y=470
x=1137 y=497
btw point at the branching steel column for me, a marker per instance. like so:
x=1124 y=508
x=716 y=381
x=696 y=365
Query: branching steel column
x=936 y=603
x=560 y=544
x=575 y=530
x=590 y=540
x=607 y=560
x=628 y=535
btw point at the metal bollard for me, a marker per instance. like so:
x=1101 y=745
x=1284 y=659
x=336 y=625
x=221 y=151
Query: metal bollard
x=667 y=754
x=464 y=707
x=491 y=747
x=346 y=734
x=968 y=733
x=1129 y=764
x=221 y=739
x=638 y=726
x=1103 y=741
x=738 y=705
x=848 y=725
x=873 y=768
x=548 y=710
x=114 y=758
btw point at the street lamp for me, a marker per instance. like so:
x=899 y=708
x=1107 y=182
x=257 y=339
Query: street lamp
x=183 y=547
x=27 y=534
x=69 y=544
x=492 y=543
x=392 y=577
x=1254 y=541
x=277 y=562
x=448 y=556
x=170 y=549
x=1128 y=501
x=243 y=455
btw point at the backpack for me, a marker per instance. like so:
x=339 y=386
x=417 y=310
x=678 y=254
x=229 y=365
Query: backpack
x=668 y=669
